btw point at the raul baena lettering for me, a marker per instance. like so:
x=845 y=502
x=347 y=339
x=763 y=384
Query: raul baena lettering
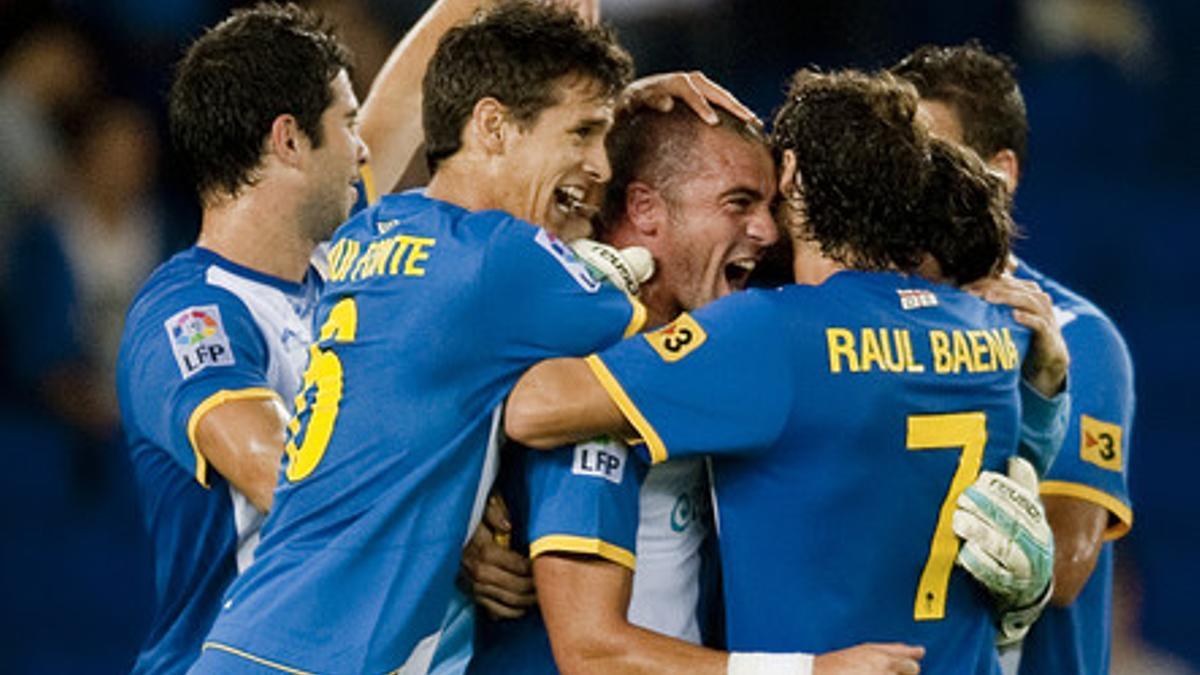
x=890 y=350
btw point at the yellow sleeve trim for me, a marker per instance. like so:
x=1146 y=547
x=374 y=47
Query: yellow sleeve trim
x=658 y=450
x=566 y=543
x=638 y=319
x=256 y=659
x=223 y=396
x=368 y=179
x=1087 y=493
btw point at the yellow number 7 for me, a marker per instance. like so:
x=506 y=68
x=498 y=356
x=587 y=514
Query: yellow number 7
x=931 y=432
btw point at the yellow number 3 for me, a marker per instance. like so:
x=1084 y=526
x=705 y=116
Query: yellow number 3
x=325 y=372
x=930 y=432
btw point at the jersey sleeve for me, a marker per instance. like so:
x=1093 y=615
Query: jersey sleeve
x=185 y=357
x=1093 y=464
x=719 y=382
x=1044 y=424
x=584 y=500
x=543 y=300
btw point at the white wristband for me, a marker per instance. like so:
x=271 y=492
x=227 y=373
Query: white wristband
x=763 y=663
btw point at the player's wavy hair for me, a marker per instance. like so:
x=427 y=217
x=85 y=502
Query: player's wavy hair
x=659 y=149
x=980 y=86
x=515 y=53
x=874 y=191
x=262 y=62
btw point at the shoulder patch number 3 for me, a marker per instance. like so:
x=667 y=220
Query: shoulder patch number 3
x=319 y=399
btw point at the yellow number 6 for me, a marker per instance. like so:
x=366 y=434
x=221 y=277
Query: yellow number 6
x=324 y=371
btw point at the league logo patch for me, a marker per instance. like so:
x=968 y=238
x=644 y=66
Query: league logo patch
x=198 y=339
x=574 y=266
x=601 y=459
x=1100 y=443
x=677 y=339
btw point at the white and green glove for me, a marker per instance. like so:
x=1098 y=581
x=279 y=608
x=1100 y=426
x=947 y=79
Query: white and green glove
x=626 y=268
x=1007 y=544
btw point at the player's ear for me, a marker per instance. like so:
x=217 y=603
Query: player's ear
x=490 y=124
x=645 y=208
x=287 y=141
x=1005 y=163
x=789 y=178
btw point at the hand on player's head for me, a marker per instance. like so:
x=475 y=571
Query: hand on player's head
x=693 y=88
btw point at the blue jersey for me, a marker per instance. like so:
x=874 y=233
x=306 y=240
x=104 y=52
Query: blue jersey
x=202 y=331
x=430 y=315
x=1092 y=466
x=843 y=421
x=580 y=500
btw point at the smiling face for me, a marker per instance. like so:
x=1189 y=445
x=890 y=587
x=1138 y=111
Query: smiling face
x=719 y=219
x=334 y=165
x=551 y=166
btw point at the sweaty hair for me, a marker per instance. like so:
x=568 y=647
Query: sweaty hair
x=658 y=149
x=877 y=193
x=233 y=82
x=981 y=87
x=965 y=211
x=515 y=53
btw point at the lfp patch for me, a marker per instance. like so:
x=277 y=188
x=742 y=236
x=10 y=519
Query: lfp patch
x=198 y=339
x=565 y=257
x=601 y=459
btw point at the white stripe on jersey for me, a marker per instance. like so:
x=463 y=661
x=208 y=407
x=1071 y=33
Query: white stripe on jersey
x=671 y=531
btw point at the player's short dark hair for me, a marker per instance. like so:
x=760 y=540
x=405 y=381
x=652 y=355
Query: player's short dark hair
x=980 y=86
x=515 y=53
x=877 y=192
x=658 y=149
x=236 y=79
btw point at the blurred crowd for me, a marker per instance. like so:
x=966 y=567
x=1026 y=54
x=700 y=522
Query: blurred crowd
x=91 y=202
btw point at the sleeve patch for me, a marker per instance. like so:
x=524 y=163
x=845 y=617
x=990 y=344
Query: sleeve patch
x=601 y=459
x=574 y=266
x=677 y=339
x=1100 y=443
x=198 y=339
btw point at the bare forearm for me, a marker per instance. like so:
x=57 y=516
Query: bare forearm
x=1078 y=527
x=559 y=401
x=628 y=649
x=391 y=115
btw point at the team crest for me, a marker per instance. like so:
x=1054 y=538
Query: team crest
x=677 y=339
x=198 y=339
x=1100 y=443
x=565 y=257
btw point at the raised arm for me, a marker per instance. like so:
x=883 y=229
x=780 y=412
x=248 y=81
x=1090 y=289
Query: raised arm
x=391 y=115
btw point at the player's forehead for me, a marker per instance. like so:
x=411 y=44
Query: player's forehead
x=724 y=161
x=578 y=99
x=342 y=101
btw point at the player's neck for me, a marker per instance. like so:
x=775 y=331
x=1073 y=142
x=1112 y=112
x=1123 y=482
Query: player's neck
x=258 y=231
x=462 y=182
x=809 y=266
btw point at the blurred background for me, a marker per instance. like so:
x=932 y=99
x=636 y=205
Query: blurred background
x=90 y=202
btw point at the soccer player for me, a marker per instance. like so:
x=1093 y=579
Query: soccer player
x=435 y=303
x=215 y=344
x=971 y=97
x=875 y=346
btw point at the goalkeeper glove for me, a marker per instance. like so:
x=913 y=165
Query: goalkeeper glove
x=1008 y=546
x=626 y=269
